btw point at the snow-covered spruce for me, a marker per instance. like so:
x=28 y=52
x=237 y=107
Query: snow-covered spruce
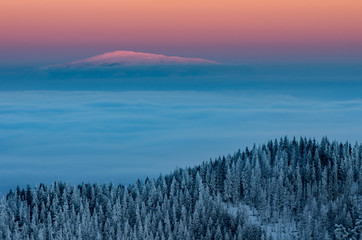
x=285 y=189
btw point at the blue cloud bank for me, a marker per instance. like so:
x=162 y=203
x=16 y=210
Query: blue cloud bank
x=103 y=124
x=103 y=136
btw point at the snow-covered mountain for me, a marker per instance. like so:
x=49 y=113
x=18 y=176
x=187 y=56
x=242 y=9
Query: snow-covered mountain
x=133 y=58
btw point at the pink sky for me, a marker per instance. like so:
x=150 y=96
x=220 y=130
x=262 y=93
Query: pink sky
x=170 y=26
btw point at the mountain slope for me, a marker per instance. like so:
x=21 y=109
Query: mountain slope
x=285 y=189
x=132 y=58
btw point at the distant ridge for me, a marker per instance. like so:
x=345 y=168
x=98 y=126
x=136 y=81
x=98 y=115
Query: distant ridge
x=132 y=58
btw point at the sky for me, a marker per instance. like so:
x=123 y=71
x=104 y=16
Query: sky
x=227 y=30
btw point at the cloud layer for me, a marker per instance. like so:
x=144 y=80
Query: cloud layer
x=120 y=136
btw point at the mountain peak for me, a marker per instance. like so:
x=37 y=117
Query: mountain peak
x=134 y=58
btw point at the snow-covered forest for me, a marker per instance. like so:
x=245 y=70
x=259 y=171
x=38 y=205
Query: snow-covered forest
x=285 y=189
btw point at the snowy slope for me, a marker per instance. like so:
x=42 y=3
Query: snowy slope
x=133 y=58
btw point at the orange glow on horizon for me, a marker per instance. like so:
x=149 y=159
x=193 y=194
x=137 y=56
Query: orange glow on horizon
x=186 y=22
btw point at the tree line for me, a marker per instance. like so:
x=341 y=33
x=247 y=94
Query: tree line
x=312 y=190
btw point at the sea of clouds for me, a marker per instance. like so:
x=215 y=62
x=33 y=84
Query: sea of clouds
x=85 y=136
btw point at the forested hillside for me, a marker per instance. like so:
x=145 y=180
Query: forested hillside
x=285 y=189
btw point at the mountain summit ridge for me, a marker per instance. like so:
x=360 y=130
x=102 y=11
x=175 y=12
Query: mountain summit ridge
x=133 y=58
